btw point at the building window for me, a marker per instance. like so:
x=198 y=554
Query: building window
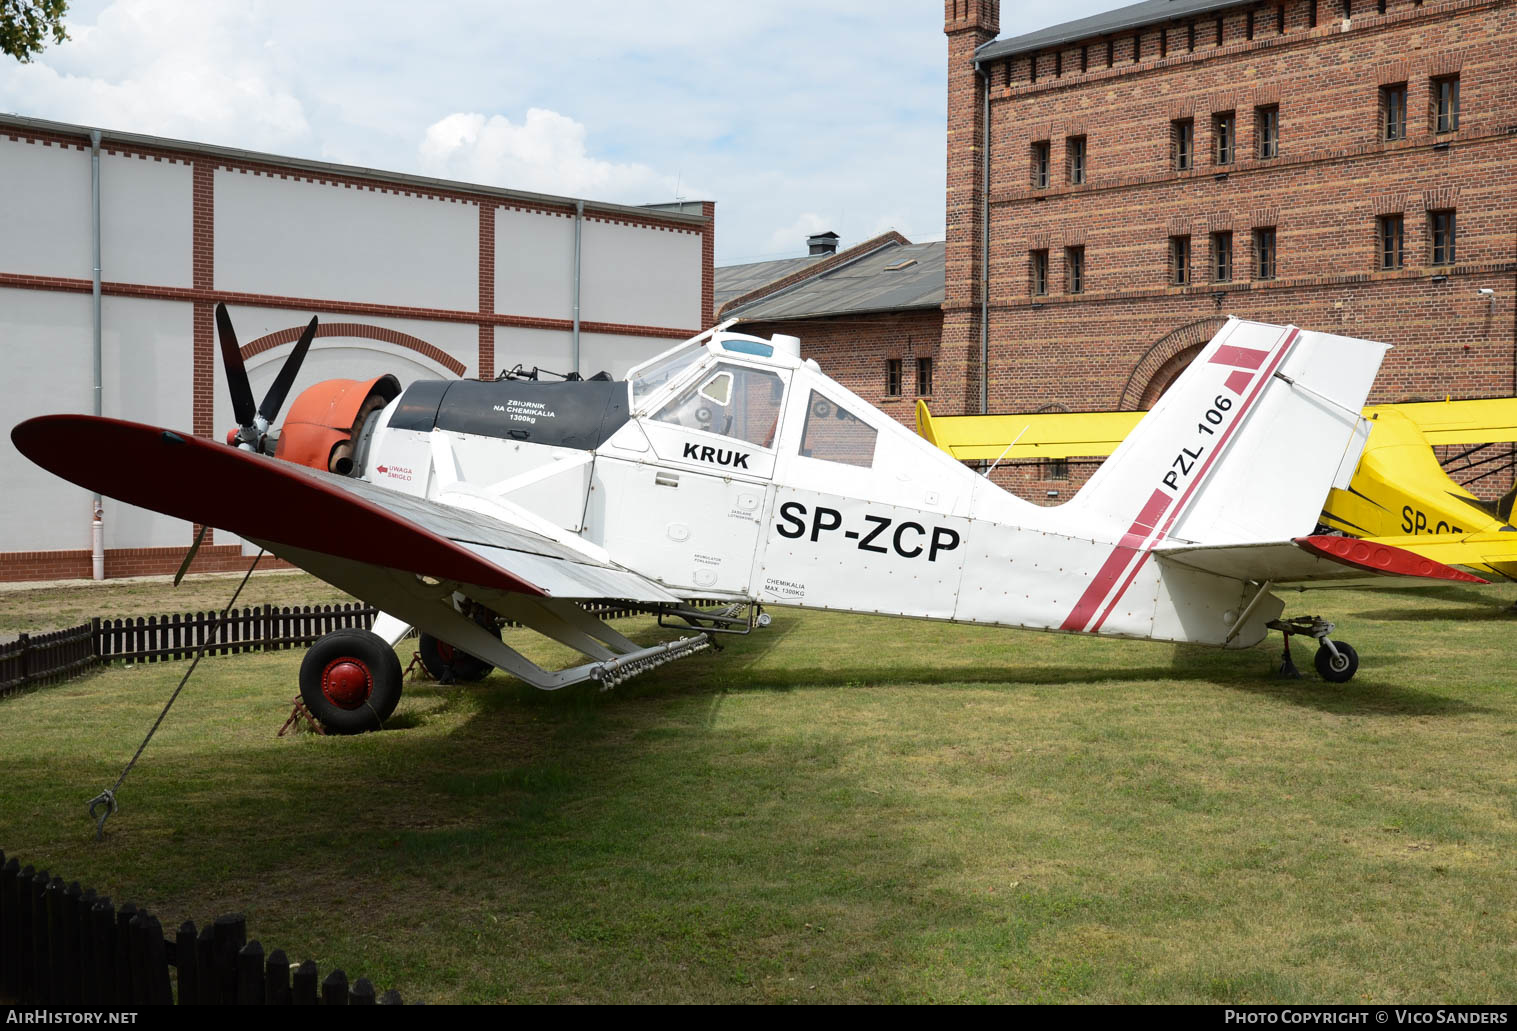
x=1446 y=104
x=1250 y=29
x=1032 y=68
x=1179 y=260
x=1393 y=112
x=1038 y=261
x=1222 y=257
x=1085 y=58
x=1074 y=270
x=924 y=377
x=1267 y=130
x=1264 y=253
x=1040 y=165
x=1111 y=52
x=1182 y=136
x=1311 y=15
x=892 y=377
x=1058 y=64
x=1442 y=225
x=1219 y=30
x=1348 y=8
x=1380 y=6
x=1137 y=47
x=1224 y=129
x=1074 y=149
x=1190 y=37
x=1390 y=231
x=1054 y=468
x=1280 y=19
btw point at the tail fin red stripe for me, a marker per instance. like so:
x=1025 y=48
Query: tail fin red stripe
x=1239 y=357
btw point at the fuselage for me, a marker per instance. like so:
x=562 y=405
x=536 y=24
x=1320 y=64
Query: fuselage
x=731 y=469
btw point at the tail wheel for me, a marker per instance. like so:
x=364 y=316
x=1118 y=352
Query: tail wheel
x=447 y=664
x=1337 y=669
x=350 y=680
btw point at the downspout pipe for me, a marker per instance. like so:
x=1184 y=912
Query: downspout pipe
x=97 y=523
x=579 y=221
x=984 y=77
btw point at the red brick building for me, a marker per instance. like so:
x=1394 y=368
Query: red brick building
x=1344 y=165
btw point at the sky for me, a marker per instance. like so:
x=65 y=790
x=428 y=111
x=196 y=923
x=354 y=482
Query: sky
x=795 y=118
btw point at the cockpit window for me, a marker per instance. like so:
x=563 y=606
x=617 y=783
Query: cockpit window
x=834 y=434
x=650 y=377
x=732 y=400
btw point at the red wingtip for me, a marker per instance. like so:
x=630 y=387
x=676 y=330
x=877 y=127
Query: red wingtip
x=1383 y=558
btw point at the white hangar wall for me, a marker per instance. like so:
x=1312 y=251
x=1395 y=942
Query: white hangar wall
x=293 y=238
x=416 y=277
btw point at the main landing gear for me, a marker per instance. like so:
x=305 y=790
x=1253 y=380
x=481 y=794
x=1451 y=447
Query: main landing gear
x=350 y=680
x=1336 y=662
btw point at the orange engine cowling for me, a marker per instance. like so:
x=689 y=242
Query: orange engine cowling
x=326 y=419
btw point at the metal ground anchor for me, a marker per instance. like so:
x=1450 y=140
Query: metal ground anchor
x=105 y=800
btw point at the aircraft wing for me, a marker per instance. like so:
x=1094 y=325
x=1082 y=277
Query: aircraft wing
x=302 y=510
x=1491 y=421
x=1097 y=434
x=1316 y=561
x=1037 y=435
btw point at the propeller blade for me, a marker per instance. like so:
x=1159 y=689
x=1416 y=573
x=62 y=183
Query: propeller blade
x=274 y=399
x=189 y=556
x=236 y=372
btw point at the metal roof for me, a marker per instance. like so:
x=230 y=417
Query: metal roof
x=736 y=280
x=859 y=286
x=109 y=136
x=1149 y=12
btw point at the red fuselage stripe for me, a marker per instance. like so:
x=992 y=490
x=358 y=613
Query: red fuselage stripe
x=1117 y=561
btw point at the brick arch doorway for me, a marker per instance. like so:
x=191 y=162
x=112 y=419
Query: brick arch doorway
x=1164 y=360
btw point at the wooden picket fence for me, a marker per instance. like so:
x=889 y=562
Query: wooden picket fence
x=46 y=658
x=261 y=628
x=64 y=654
x=64 y=947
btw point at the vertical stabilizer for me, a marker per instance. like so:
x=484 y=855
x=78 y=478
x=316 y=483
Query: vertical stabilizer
x=1244 y=446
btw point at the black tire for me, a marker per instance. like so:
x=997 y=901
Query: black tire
x=447 y=664
x=1340 y=670
x=351 y=681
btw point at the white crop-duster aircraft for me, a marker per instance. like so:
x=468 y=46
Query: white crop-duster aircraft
x=729 y=470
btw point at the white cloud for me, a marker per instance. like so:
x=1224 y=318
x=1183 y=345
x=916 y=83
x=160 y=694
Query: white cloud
x=196 y=71
x=791 y=239
x=546 y=153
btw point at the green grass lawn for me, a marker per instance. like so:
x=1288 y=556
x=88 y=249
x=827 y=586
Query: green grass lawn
x=837 y=809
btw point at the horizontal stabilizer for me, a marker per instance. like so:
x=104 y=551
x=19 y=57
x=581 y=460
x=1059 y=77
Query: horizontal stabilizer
x=1318 y=561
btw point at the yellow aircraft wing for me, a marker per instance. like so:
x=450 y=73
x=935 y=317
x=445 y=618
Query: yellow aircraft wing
x=972 y=438
x=1492 y=421
x=1398 y=491
x=1097 y=434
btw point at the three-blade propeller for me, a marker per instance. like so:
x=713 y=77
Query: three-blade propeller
x=253 y=424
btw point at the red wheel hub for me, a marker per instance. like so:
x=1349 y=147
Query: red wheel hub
x=347 y=683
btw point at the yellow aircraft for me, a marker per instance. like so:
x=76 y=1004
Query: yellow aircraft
x=1399 y=494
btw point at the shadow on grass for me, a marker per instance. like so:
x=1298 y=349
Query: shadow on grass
x=1359 y=697
x=744 y=669
x=1466 y=614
